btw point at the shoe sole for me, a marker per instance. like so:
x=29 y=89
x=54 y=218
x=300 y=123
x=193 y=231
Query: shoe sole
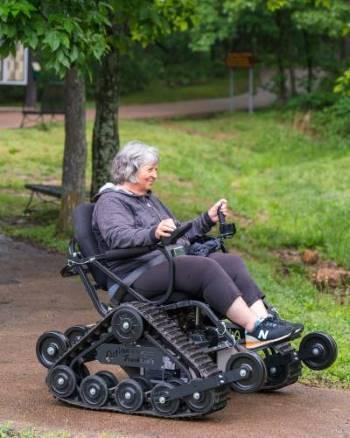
x=256 y=344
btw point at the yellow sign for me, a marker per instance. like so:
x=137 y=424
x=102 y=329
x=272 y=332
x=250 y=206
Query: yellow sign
x=240 y=60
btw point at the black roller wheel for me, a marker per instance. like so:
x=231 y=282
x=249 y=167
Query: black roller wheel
x=62 y=381
x=251 y=369
x=159 y=400
x=201 y=402
x=75 y=333
x=127 y=324
x=129 y=395
x=50 y=347
x=109 y=378
x=277 y=373
x=93 y=391
x=318 y=350
x=81 y=370
x=145 y=383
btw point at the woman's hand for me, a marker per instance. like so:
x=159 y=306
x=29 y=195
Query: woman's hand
x=213 y=211
x=165 y=228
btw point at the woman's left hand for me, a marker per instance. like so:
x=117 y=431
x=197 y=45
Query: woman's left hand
x=213 y=211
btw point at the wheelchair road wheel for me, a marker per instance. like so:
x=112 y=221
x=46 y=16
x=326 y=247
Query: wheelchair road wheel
x=129 y=395
x=81 y=370
x=75 y=333
x=145 y=383
x=109 y=378
x=127 y=324
x=159 y=400
x=93 y=391
x=277 y=373
x=50 y=346
x=318 y=350
x=62 y=381
x=201 y=402
x=251 y=369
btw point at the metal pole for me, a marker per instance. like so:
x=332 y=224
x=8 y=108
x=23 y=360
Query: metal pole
x=251 y=90
x=231 y=101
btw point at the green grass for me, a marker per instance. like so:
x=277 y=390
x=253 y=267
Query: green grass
x=158 y=91
x=7 y=430
x=287 y=188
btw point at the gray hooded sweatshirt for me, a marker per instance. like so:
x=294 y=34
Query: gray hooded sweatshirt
x=122 y=219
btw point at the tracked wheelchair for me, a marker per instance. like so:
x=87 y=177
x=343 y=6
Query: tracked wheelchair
x=181 y=358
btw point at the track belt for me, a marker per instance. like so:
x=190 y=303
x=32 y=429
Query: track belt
x=172 y=337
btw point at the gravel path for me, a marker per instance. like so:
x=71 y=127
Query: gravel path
x=34 y=298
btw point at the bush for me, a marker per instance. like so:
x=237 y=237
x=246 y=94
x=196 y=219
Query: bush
x=335 y=118
x=316 y=100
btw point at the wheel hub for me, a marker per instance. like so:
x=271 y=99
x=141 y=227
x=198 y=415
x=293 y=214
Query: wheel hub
x=92 y=391
x=126 y=326
x=51 y=349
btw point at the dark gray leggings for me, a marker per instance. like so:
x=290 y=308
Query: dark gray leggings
x=218 y=280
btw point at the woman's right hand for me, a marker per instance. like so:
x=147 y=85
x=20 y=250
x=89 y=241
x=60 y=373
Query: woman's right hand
x=165 y=228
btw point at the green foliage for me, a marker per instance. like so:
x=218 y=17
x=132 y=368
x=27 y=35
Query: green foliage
x=64 y=33
x=316 y=100
x=292 y=34
x=76 y=33
x=343 y=84
x=335 y=119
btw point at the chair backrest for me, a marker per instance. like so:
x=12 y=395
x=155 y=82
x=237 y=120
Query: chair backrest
x=82 y=226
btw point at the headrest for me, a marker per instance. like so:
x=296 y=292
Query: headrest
x=82 y=226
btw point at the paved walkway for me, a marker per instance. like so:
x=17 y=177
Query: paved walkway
x=34 y=298
x=10 y=117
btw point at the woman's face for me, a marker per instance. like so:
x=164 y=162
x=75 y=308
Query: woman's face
x=146 y=176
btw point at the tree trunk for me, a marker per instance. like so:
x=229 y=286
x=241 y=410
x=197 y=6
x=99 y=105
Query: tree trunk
x=75 y=148
x=105 y=139
x=292 y=79
x=309 y=62
x=280 y=55
x=31 y=88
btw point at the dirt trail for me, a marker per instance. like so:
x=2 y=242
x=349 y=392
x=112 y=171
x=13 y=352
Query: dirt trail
x=34 y=298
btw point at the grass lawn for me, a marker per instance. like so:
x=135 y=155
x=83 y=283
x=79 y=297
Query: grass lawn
x=286 y=190
x=214 y=88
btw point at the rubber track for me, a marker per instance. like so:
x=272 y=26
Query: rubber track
x=174 y=338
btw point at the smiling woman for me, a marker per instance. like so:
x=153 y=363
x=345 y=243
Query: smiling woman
x=128 y=215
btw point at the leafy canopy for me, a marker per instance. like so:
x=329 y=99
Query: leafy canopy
x=76 y=32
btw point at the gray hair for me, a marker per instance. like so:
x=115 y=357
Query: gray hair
x=130 y=158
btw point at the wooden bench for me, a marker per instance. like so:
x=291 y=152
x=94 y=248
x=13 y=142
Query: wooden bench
x=41 y=191
x=51 y=103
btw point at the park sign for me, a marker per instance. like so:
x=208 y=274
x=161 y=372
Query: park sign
x=235 y=60
x=14 y=68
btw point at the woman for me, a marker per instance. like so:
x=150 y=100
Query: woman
x=127 y=214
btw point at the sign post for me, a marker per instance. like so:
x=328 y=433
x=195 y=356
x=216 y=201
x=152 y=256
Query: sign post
x=241 y=60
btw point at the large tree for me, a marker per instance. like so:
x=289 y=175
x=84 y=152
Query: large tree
x=133 y=21
x=68 y=36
